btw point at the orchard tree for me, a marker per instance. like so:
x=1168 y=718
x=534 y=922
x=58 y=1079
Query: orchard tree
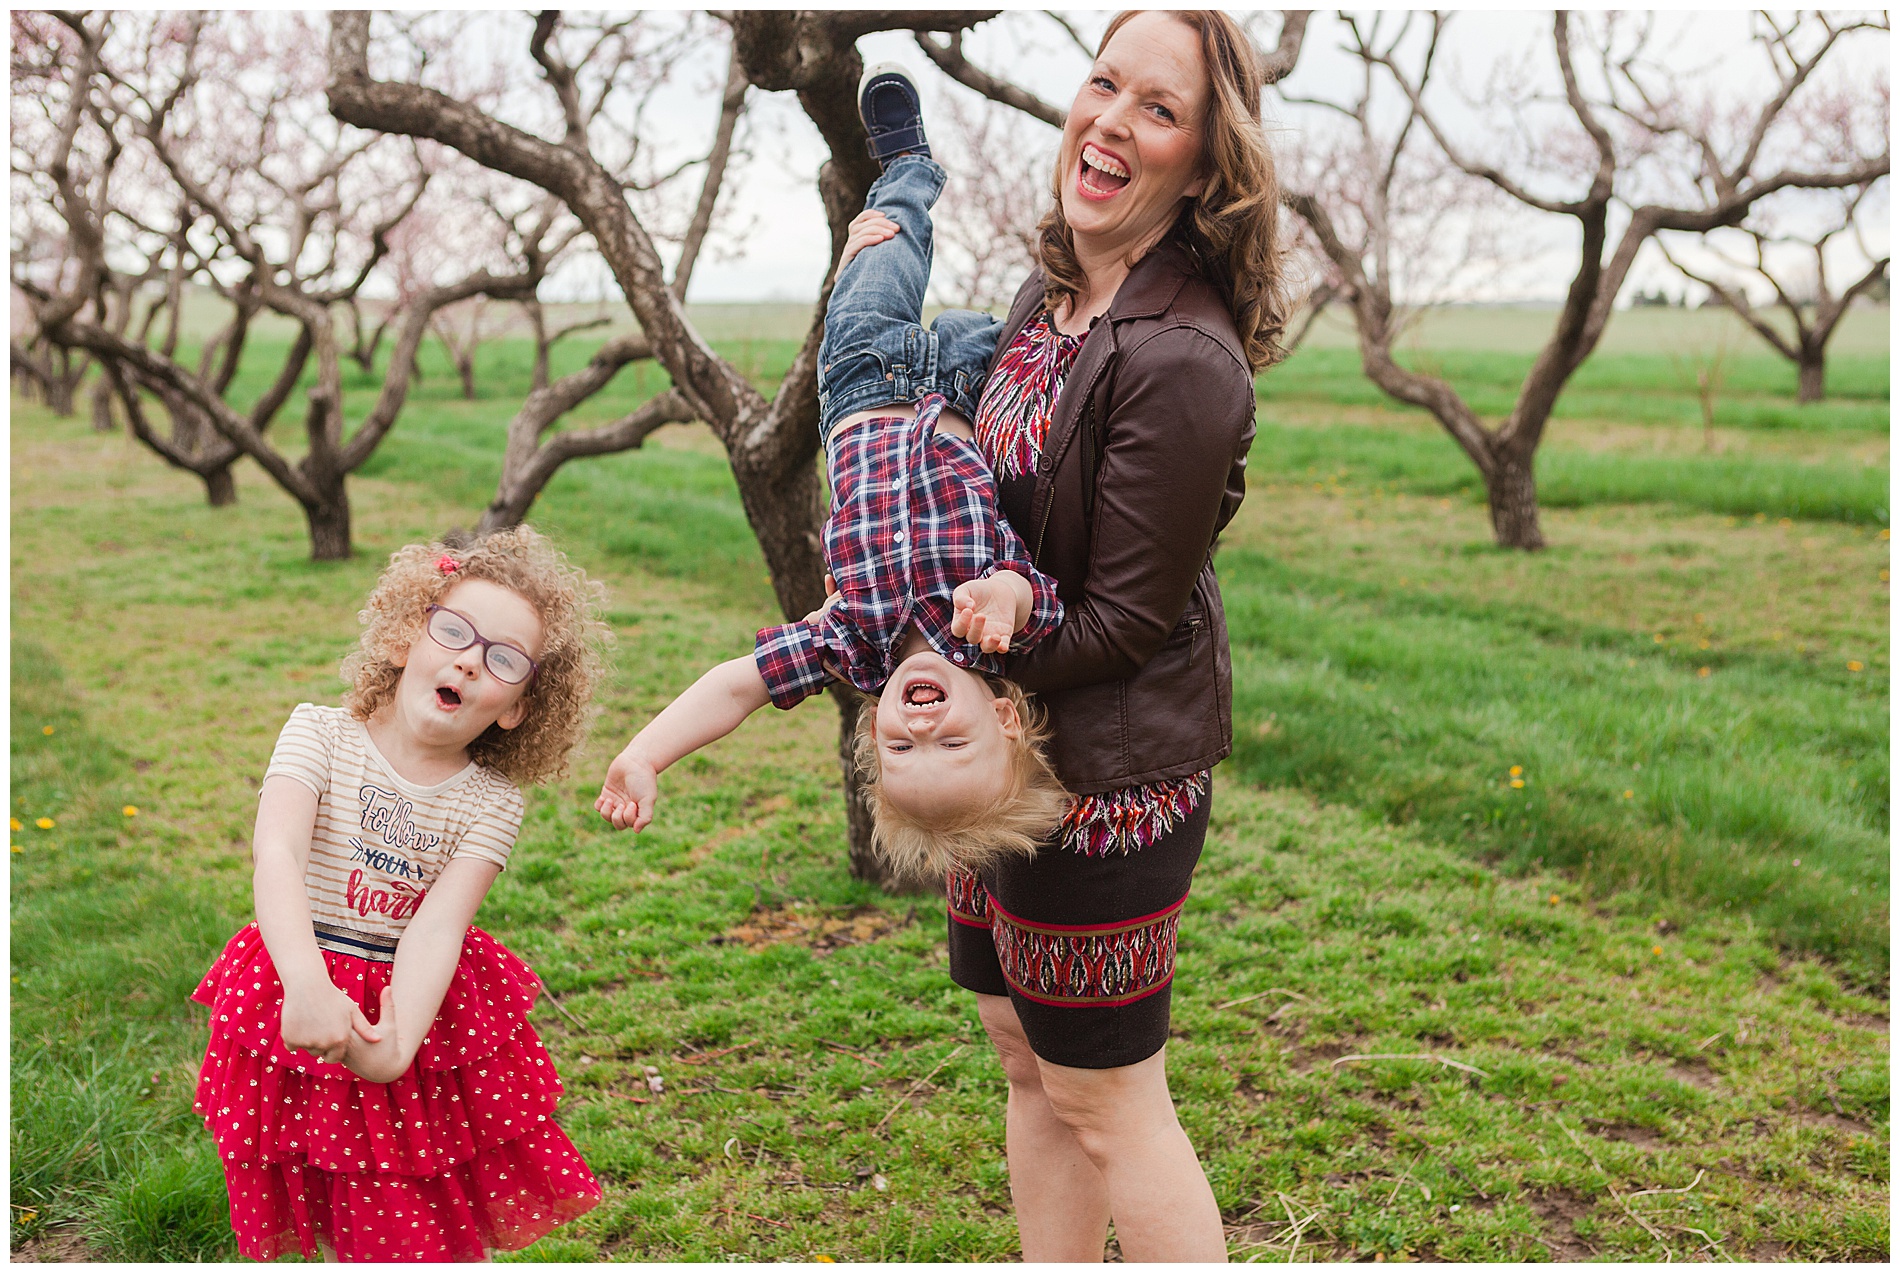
x=201 y=143
x=1796 y=267
x=1635 y=151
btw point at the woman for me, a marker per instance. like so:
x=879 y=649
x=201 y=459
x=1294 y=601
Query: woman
x=1117 y=417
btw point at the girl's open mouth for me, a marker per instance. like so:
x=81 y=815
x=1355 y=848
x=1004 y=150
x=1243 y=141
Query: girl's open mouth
x=1099 y=174
x=447 y=696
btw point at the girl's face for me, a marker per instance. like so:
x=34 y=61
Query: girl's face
x=1131 y=148
x=448 y=698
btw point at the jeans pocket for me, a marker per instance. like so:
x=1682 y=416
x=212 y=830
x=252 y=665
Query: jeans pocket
x=852 y=371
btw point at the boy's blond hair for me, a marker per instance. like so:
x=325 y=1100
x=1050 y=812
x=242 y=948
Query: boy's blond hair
x=1031 y=804
x=559 y=695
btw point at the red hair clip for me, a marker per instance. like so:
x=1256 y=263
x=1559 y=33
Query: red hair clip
x=446 y=565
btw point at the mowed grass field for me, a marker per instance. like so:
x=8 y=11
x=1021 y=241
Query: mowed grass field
x=1636 y=1007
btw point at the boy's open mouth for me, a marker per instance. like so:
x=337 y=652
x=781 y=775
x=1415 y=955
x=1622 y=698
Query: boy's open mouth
x=1100 y=172
x=447 y=696
x=923 y=694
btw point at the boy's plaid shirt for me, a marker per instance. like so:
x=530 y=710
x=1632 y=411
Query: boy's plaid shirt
x=913 y=515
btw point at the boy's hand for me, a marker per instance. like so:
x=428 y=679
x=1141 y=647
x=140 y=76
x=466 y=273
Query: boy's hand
x=985 y=613
x=323 y=1021
x=867 y=228
x=630 y=792
x=380 y=1059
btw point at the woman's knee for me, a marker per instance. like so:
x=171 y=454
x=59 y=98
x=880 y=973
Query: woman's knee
x=998 y=1016
x=1105 y=1109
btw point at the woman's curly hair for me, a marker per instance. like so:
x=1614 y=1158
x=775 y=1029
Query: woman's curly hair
x=558 y=698
x=1233 y=228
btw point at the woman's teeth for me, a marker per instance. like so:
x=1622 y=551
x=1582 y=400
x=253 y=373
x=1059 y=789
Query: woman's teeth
x=1102 y=173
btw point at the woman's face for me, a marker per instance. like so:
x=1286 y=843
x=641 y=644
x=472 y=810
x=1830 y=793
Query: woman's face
x=1132 y=146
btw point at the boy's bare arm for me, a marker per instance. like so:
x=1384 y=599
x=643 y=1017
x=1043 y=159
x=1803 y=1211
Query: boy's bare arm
x=711 y=708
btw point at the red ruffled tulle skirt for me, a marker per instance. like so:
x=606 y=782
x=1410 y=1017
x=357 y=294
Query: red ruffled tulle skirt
x=457 y=1157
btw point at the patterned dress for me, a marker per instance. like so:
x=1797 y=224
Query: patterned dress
x=458 y=1156
x=1012 y=423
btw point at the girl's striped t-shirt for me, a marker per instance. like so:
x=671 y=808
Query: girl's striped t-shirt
x=380 y=840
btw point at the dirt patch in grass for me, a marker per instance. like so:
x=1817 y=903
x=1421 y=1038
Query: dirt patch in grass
x=1560 y=1209
x=822 y=929
x=57 y=1244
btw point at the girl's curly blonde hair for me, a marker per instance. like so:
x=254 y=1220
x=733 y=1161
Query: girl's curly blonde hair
x=559 y=696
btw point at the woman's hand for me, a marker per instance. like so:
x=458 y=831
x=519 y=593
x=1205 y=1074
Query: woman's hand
x=380 y=1059
x=323 y=1021
x=867 y=228
x=832 y=598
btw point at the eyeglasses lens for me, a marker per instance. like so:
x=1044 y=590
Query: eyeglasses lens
x=507 y=663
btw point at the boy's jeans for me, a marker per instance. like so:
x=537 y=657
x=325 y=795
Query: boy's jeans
x=876 y=350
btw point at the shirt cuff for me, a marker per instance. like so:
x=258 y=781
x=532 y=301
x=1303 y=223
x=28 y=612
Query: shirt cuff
x=791 y=662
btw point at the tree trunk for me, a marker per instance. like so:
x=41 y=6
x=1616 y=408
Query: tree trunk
x=1813 y=377
x=330 y=526
x=465 y=368
x=221 y=492
x=1512 y=490
x=102 y=421
x=59 y=395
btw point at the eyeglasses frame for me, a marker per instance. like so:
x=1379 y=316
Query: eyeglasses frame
x=534 y=667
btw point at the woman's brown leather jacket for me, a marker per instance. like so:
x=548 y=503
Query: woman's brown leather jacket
x=1142 y=467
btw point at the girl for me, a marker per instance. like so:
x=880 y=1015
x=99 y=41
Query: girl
x=372 y=1081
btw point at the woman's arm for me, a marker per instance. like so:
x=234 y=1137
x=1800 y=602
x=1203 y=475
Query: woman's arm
x=317 y=1017
x=426 y=957
x=1171 y=439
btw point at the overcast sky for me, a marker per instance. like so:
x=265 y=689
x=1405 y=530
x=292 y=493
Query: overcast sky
x=782 y=251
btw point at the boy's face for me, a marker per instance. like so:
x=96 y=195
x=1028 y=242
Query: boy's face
x=450 y=697
x=943 y=738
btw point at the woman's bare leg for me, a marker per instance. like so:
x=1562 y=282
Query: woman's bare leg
x=1061 y=1198
x=1124 y=1121
x=1085 y=1145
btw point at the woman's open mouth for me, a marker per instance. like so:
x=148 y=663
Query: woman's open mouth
x=447 y=696
x=1100 y=174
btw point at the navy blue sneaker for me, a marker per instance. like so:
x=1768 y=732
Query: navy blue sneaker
x=892 y=113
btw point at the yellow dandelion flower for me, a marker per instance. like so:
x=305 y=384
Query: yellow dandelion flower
x=15 y=823
x=1553 y=899
x=1855 y=665
x=1517 y=771
x=1702 y=671
x=1655 y=950
x=44 y=824
x=130 y=811
x=823 y=1259
x=16 y=848
x=1785 y=523
x=1517 y=782
x=1659 y=638
x=1628 y=794
x=1702 y=643
x=46 y=729
x=1886 y=534
x=1885 y=576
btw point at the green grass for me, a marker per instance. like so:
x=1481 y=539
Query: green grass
x=1344 y=885
x=1757 y=389
x=1432 y=464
